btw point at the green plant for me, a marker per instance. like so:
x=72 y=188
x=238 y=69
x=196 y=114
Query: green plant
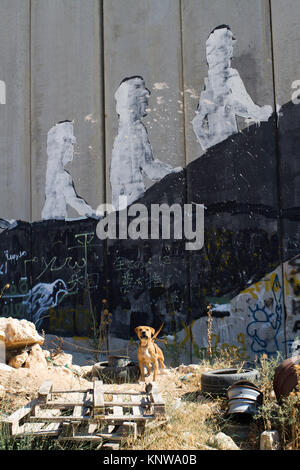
x=272 y=415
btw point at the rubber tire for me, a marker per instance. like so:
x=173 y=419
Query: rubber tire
x=109 y=374
x=216 y=382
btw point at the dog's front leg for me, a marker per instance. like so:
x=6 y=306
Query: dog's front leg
x=149 y=370
x=142 y=372
x=155 y=370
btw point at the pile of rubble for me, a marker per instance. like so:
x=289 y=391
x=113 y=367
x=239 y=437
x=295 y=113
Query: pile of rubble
x=22 y=344
x=21 y=349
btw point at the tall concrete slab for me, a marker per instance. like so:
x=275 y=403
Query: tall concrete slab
x=144 y=38
x=286 y=46
x=252 y=56
x=66 y=84
x=234 y=170
x=15 y=113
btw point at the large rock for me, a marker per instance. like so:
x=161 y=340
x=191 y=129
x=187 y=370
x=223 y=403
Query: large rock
x=36 y=358
x=223 y=442
x=17 y=361
x=5 y=368
x=62 y=359
x=19 y=333
x=269 y=440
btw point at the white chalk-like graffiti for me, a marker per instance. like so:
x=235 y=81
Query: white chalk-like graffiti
x=60 y=190
x=132 y=152
x=42 y=297
x=224 y=96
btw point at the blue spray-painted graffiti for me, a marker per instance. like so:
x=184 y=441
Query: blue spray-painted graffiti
x=266 y=324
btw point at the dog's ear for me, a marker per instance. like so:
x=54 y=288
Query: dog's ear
x=137 y=329
x=152 y=330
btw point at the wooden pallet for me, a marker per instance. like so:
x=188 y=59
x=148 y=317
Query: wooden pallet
x=94 y=414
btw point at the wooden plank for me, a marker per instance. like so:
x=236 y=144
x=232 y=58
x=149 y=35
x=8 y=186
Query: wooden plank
x=45 y=390
x=12 y=422
x=139 y=411
x=39 y=430
x=91 y=437
x=108 y=418
x=59 y=419
x=56 y=392
x=110 y=446
x=67 y=404
x=98 y=397
x=156 y=399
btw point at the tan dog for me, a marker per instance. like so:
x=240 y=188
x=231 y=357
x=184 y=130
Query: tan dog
x=148 y=352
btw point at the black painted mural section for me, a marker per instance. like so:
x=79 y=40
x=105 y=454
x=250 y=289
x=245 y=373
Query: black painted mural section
x=60 y=271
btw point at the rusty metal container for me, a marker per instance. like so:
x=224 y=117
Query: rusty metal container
x=285 y=377
x=244 y=397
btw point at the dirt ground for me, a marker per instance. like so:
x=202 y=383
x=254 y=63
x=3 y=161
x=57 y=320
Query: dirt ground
x=22 y=384
x=180 y=388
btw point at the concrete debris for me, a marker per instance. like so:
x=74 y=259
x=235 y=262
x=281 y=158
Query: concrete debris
x=2 y=391
x=190 y=369
x=19 y=333
x=6 y=368
x=36 y=358
x=223 y=442
x=269 y=440
x=18 y=360
x=62 y=359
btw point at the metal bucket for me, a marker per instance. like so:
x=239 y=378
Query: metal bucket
x=243 y=391
x=244 y=397
x=242 y=406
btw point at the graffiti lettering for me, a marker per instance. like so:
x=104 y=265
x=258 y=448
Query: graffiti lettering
x=266 y=323
x=14 y=256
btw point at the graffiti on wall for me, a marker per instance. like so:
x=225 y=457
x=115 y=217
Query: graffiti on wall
x=59 y=270
x=60 y=190
x=132 y=155
x=225 y=96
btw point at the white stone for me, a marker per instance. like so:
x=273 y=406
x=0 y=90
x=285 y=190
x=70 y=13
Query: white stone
x=269 y=440
x=19 y=333
x=6 y=368
x=36 y=358
x=223 y=442
x=17 y=361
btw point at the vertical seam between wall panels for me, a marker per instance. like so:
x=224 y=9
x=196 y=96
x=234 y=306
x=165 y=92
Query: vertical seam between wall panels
x=30 y=147
x=101 y=21
x=187 y=256
x=278 y=175
x=105 y=244
x=30 y=116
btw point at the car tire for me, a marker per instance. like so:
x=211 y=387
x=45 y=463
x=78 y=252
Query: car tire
x=217 y=381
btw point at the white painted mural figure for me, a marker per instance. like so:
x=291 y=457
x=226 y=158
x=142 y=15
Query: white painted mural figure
x=60 y=190
x=224 y=96
x=132 y=156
